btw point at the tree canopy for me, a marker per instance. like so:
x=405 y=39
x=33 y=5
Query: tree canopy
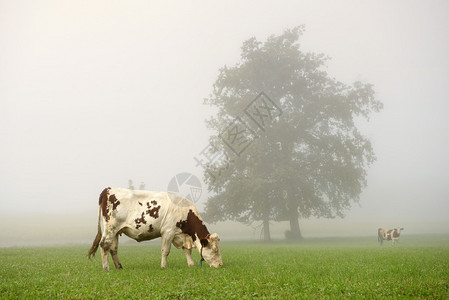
x=286 y=142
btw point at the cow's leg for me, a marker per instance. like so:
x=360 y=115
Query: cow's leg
x=165 y=249
x=104 y=247
x=114 y=251
x=188 y=253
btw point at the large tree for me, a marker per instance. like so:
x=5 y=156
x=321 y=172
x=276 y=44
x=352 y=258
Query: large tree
x=287 y=141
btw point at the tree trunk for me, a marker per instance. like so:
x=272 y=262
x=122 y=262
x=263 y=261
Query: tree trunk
x=265 y=215
x=266 y=230
x=294 y=228
x=295 y=232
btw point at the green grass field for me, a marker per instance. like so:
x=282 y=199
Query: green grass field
x=318 y=268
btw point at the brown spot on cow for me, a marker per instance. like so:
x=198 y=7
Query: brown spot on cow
x=140 y=220
x=140 y=203
x=194 y=227
x=103 y=201
x=153 y=211
x=151 y=229
x=395 y=233
x=114 y=201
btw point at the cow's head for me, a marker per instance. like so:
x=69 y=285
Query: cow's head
x=396 y=232
x=211 y=250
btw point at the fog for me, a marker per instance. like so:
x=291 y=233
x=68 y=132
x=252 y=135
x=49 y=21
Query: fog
x=95 y=93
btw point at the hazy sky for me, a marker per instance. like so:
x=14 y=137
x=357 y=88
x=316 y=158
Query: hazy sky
x=94 y=93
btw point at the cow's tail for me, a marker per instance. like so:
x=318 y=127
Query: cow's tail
x=96 y=242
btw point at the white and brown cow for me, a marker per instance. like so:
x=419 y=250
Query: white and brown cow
x=144 y=215
x=390 y=234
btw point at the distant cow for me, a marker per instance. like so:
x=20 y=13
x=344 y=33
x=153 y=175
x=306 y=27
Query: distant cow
x=390 y=234
x=144 y=215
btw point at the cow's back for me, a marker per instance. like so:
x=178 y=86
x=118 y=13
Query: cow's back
x=145 y=215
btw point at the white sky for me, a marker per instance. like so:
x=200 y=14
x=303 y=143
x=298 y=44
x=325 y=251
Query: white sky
x=93 y=93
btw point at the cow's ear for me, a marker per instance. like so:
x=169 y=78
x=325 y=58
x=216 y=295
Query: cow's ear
x=204 y=242
x=213 y=237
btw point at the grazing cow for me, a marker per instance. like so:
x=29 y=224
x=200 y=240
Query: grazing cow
x=390 y=234
x=144 y=215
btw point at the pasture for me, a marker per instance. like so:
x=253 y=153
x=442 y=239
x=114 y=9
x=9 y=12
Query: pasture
x=317 y=268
